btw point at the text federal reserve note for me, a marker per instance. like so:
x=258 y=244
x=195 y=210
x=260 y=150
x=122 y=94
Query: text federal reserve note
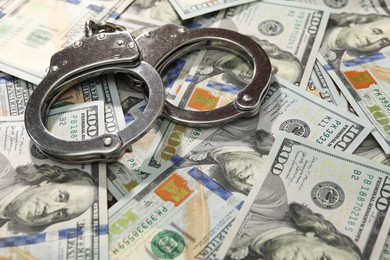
x=14 y=94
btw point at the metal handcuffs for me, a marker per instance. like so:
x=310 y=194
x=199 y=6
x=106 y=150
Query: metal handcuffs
x=110 y=48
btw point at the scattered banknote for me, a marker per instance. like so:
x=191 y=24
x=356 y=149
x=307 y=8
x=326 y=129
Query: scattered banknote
x=354 y=51
x=290 y=109
x=48 y=210
x=77 y=122
x=32 y=34
x=176 y=216
x=290 y=33
x=346 y=195
x=14 y=94
x=146 y=11
x=102 y=88
x=361 y=7
x=190 y=8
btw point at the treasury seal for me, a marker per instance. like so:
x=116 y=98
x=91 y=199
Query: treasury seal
x=270 y=27
x=337 y=4
x=167 y=244
x=295 y=126
x=327 y=195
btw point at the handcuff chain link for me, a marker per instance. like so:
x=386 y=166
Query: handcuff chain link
x=93 y=28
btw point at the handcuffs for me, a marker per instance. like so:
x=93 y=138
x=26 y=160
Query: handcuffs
x=110 y=48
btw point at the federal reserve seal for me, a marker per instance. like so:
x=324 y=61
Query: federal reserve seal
x=167 y=244
x=295 y=126
x=270 y=27
x=327 y=195
x=337 y=4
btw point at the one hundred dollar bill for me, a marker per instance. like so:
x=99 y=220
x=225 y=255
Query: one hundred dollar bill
x=356 y=57
x=77 y=122
x=14 y=94
x=175 y=217
x=306 y=189
x=361 y=7
x=150 y=11
x=290 y=109
x=31 y=34
x=290 y=33
x=48 y=210
x=102 y=88
x=190 y=8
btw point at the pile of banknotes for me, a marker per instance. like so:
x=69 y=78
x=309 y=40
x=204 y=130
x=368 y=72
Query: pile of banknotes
x=308 y=177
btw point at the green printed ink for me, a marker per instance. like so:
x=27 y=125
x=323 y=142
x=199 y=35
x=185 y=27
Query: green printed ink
x=167 y=244
x=380 y=117
x=38 y=38
x=4 y=29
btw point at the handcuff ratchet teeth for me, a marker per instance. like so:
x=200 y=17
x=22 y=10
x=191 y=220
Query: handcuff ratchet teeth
x=109 y=48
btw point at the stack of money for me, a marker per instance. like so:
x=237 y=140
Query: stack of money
x=307 y=177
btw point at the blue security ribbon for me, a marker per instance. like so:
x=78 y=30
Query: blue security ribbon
x=363 y=60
